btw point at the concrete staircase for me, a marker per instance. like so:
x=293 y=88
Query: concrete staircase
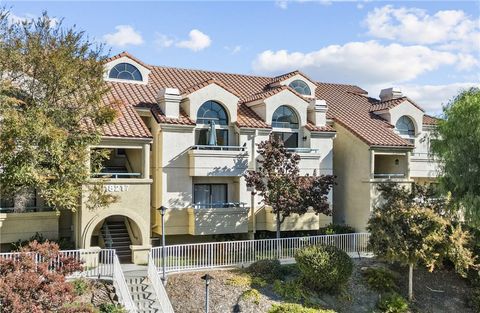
x=142 y=292
x=120 y=240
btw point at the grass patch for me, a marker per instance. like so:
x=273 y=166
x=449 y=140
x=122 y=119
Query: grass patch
x=251 y=295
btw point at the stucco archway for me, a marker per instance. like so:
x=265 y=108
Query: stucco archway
x=94 y=222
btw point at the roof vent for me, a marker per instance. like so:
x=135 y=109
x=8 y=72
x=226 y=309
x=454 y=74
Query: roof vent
x=390 y=93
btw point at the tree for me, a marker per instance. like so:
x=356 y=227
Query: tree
x=457 y=146
x=413 y=227
x=51 y=90
x=30 y=286
x=280 y=186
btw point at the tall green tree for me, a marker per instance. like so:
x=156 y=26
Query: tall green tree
x=51 y=110
x=414 y=228
x=457 y=146
x=279 y=184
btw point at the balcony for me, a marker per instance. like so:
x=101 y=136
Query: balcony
x=218 y=218
x=423 y=165
x=124 y=163
x=23 y=225
x=205 y=160
x=309 y=159
x=393 y=167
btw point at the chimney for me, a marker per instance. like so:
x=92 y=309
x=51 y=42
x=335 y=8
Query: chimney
x=317 y=113
x=390 y=93
x=169 y=101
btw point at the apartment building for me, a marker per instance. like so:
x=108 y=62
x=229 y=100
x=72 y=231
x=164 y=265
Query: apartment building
x=184 y=138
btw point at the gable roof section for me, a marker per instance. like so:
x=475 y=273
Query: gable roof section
x=271 y=92
x=430 y=120
x=127 y=124
x=387 y=105
x=349 y=107
x=205 y=84
x=283 y=77
x=128 y=55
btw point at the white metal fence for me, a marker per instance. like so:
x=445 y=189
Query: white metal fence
x=157 y=284
x=187 y=257
x=96 y=264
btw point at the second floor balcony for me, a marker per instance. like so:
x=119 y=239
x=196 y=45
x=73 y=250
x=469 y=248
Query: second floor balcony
x=216 y=160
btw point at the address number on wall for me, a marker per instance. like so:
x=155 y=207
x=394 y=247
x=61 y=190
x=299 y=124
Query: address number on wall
x=116 y=188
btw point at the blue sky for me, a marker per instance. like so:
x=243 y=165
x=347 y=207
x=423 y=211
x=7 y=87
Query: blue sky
x=428 y=49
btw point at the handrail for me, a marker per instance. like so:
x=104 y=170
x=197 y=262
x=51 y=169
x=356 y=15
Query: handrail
x=123 y=292
x=215 y=147
x=160 y=292
x=219 y=205
x=108 y=239
x=27 y=209
x=115 y=175
x=303 y=150
x=389 y=175
x=195 y=256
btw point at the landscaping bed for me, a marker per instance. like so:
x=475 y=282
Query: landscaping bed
x=237 y=291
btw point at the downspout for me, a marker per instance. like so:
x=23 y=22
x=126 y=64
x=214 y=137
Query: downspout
x=252 y=197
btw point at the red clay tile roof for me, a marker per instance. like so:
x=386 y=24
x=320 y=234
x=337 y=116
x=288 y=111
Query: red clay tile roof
x=128 y=55
x=348 y=105
x=127 y=124
x=271 y=92
x=287 y=76
x=429 y=120
x=386 y=105
x=314 y=128
x=206 y=83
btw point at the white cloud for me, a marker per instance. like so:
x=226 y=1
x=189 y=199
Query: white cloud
x=283 y=4
x=360 y=62
x=433 y=97
x=360 y=6
x=125 y=35
x=453 y=29
x=233 y=50
x=163 y=41
x=13 y=18
x=197 y=41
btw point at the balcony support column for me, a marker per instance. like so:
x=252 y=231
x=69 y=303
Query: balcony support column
x=372 y=164
x=146 y=161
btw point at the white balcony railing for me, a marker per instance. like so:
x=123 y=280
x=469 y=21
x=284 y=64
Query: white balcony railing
x=219 y=205
x=116 y=175
x=388 y=175
x=219 y=148
x=303 y=150
x=191 y=257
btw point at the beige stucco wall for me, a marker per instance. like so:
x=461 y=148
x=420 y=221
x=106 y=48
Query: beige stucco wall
x=307 y=221
x=22 y=226
x=133 y=203
x=217 y=221
x=351 y=165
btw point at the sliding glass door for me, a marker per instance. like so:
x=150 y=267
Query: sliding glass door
x=210 y=195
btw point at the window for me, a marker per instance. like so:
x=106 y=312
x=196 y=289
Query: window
x=290 y=140
x=405 y=126
x=301 y=87
x=203 y=136
x=212 y=111
x=210 y=195
x=285 y=117
x=125 y=71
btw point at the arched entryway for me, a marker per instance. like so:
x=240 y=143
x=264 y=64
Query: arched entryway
x=120 y=232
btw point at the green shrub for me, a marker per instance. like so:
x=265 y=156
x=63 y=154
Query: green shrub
x=295 y=308
x=242 y=280
x=325 y=268
x=259 y=282
x=251 y=295
x=290 y=290
x=112 y=308
x=40 y=238
x=392 y=302
x=333 y=229
x=80 y=286
x=266 y=269
x=381 y=279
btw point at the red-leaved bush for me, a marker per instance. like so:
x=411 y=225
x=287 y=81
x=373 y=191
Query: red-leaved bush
x=27 y=286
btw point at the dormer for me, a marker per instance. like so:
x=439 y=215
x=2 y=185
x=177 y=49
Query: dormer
x=125 y=68
x=210 y=90
x=297 y=81
x=405 y=115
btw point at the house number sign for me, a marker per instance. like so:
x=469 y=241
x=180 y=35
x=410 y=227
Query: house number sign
x=116 y=188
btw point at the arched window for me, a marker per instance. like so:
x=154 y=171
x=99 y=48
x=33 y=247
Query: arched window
x=125 y=71
x=212 y=111
x=285 y=117
x=405 y=126
x=301 y=87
